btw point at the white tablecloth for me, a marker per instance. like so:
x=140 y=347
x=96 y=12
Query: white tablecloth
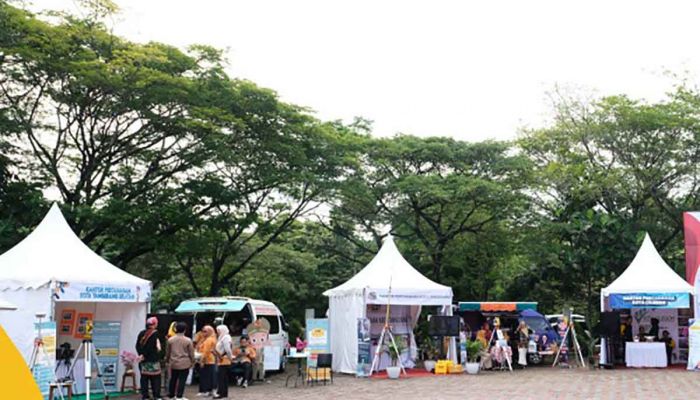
x=649 y=355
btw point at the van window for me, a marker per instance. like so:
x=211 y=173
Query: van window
x=274 y=323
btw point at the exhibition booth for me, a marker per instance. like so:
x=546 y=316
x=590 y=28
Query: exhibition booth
x=656 y=299
x=59 y=285
x=357 y=310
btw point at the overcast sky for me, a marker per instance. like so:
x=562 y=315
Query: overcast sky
x=467 y=69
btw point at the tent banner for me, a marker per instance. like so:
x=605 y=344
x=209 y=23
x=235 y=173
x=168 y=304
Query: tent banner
x=66 y=291
x=105 y=336
x=649 y=300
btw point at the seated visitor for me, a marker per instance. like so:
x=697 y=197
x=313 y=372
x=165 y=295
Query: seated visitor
x=670 y=344
x=243 y=357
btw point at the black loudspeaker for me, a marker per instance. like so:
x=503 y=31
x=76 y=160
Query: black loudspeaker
x=610 y=323
x=442 y=325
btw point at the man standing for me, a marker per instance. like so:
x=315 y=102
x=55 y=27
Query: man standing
x=179 y=356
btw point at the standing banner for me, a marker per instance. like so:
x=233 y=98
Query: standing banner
x=317 y=337
x=105 y=337
x=668 y=321
x=364 y=347
x=45 y=361
x=694 y=346
x=691 y=231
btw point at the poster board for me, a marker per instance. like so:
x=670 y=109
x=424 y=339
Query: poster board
x=67 y=322
x=317 y=338
x=81 y=324
x=45 y=362
x=105 y=337
x=364 y=347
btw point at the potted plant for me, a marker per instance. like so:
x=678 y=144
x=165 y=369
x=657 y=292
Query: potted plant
x=473 y=351
x=394 y=370
x=430 y=354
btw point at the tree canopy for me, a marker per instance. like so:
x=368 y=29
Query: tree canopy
x=211 y=185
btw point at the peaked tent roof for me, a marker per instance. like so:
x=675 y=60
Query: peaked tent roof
x=52 y=252
x=648 y=273
x=389 y=269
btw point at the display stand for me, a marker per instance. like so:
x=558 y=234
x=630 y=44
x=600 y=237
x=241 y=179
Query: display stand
x=89 y=354
x=386 y=332
x=570 y=330
x=496 y=329
x=40 y=349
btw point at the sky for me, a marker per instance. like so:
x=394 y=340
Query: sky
x=472 y=70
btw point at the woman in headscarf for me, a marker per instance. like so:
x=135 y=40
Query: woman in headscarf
x=207 y=362
x=224 y=353
x=523 y=341
x=148 y=348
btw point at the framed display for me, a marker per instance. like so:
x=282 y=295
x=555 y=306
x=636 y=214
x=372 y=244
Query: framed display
x=65 y=329
x=81 y=324
x=67 y=315
x=66 y=322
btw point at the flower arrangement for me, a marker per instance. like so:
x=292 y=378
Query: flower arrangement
x=129 y=359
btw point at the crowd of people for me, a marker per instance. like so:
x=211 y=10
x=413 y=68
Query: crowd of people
x=211 y=352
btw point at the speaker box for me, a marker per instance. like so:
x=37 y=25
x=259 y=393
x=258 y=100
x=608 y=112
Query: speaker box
x=610 y=323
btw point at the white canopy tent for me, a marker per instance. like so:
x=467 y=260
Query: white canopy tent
x=388 y=278
x=647 y=274
x=648 y=282
x=52 y=270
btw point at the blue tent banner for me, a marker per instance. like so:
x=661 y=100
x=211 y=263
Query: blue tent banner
x=649 y=300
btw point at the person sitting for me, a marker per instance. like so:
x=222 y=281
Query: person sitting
x=670 y=344
x=641 y=333
x=243 y=357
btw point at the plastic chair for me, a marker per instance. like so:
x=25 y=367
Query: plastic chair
x=324 y=361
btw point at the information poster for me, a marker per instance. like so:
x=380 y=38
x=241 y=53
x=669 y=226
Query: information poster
x=46 y=359
x=317 y=337
x=400 y=319
x=105 y=337
x=364 y=347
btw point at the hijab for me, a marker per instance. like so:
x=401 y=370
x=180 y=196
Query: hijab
x=223 y=345
x=151 y=329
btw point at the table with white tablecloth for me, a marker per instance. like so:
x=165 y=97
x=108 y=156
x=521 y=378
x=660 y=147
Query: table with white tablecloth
x=646 y=355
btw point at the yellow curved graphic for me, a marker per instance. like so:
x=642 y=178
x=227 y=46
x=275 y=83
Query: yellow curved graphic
x=15 y=378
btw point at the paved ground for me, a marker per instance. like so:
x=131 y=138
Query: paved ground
x=537 y=383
